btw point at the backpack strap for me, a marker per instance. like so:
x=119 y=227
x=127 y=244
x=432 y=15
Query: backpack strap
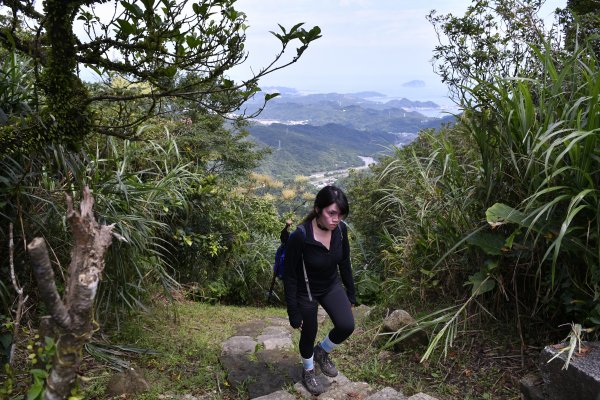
x=301 y=227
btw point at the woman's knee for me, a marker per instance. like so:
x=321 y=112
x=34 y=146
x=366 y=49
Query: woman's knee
x=348 y=327
x=342 y=330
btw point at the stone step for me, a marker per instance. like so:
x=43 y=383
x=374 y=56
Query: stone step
x=387 y=393
x=278 y=395
x=261 y=359
x=421 y=396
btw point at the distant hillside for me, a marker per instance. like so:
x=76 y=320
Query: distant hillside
x=322 y=132
x=354 y=110
x=306 y=149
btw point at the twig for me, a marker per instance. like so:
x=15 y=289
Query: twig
x=519 y=326
x=21 y=300
x=57 y=261
x=11 y=260
x=509 y=356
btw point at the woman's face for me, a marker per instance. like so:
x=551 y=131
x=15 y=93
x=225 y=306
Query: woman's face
x=330 y=217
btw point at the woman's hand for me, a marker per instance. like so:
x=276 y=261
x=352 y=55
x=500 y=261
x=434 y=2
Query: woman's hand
x=296 y=321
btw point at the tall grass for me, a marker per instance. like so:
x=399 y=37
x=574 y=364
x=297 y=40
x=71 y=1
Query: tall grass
x=505 y=201
x=543 y=155
x=138 y=186
x=136 y=195
x=426 y=199
x=17 y=97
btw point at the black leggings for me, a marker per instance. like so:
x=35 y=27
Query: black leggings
x=338 y=307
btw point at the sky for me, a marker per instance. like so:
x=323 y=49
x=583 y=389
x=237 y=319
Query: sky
x=367 y=45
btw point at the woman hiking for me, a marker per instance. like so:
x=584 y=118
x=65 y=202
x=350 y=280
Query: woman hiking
x=315 y=252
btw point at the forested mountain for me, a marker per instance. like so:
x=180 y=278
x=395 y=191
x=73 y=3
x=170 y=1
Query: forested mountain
x=306 y=149
x=357 y=110
x=320 y=132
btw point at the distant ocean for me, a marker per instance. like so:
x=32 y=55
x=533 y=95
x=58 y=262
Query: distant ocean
x=437 y=93
x=446 y=106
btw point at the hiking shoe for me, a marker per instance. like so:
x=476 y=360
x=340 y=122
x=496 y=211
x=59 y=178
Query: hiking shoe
x=322 y=358
x=311 y=383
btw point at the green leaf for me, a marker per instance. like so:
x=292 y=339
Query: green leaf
x=314 y=33
x=278 y=36
x=490 y=242
x=149 y=4
x=295 y=27
x=35 y=391
x=200 y=9
x=39 y=373
x=95 y=69
x=500 y=214
x=481 y=283
x=170 y=71
x=126 y=27
x=490 y=265
x=192 y=41
x=134 y=9
x=270 y=96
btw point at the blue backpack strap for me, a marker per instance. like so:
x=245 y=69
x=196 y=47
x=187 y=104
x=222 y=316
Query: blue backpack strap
x=301 y=228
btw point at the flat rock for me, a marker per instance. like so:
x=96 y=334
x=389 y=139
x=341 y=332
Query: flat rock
x=350 y=390
x=387 y=393
x=276 y=337
x=581 y=380
x=263 y=372
x=421 y=396
x=251 y=328
x=279 y=321
x=278 y=395
x=277 y=329
x=274 y=342
x=281 y=362
x=239 y=368
x=256 y=377
x=239 y=345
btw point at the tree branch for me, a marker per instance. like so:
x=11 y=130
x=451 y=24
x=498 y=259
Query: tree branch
x=44 y=276
x=26 y=8
x=74 y=317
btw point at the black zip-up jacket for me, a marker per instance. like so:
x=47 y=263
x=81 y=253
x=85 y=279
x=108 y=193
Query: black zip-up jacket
x=322 y=267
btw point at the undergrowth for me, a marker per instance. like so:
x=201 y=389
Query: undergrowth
x=486 y=362
x=187 y=337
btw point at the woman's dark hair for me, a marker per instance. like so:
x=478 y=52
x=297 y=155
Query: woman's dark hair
x=326 y=197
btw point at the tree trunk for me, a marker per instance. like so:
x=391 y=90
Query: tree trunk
x=73 y=315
